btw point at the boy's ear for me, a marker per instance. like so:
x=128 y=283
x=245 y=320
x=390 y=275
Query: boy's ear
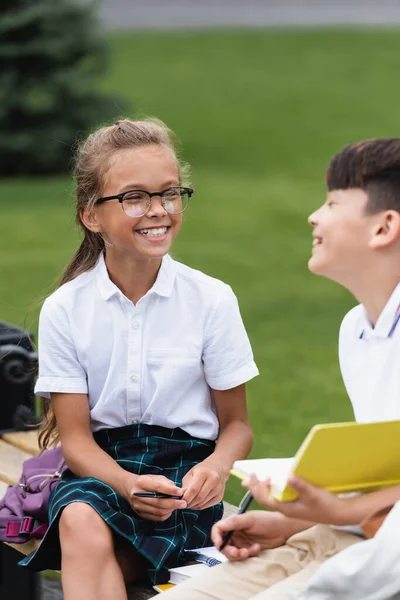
x=386 y=230
x=89 y=219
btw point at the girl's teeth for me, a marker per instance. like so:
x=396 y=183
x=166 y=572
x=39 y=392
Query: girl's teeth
x=156 y=232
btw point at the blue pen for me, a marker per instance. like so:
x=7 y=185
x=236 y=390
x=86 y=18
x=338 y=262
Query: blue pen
x=243 y=506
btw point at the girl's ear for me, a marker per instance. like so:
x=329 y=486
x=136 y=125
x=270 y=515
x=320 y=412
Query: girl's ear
x=88 y=217
x=386 y=230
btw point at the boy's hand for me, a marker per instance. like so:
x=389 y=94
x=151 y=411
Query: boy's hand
x=204 y=484
x=312 y=504
x=253 y=531
x=154 y=509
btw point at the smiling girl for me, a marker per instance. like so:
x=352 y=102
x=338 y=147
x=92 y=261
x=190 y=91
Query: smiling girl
x=143 y=363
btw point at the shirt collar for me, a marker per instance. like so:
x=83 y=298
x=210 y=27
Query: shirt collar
x=387 y=321
x=163 y=285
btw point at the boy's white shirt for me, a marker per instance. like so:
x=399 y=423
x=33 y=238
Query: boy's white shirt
x=153 y=362
x=370 y=365
x=370 y=361
x=369 y=570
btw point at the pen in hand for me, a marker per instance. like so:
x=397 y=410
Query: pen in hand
x=156 y=495
x=243 y=506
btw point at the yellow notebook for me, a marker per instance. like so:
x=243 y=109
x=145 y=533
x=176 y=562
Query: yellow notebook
x=163 y=587
x=340 y=457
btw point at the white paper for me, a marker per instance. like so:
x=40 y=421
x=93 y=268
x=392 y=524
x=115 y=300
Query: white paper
x=278 y=469
x=178 y=574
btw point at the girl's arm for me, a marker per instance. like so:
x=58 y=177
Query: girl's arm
x=205 y=483
x=85 y=458
x=235 y=438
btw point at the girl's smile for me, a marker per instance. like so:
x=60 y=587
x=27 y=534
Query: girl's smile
x=153 y=235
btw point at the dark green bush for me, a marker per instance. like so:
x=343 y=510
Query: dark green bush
x=52 y=55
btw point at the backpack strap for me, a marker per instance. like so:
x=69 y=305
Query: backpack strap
x=12 y=527
x=25 y=527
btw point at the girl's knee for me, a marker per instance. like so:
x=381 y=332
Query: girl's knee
x=83 y=530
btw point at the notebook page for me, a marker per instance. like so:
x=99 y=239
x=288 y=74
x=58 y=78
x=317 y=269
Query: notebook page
x=278 y=469
x=178 y=574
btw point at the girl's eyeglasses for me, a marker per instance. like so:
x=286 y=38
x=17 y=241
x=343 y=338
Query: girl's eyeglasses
x=136 y=203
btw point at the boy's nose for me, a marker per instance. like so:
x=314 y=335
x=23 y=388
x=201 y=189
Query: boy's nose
x=312 y=219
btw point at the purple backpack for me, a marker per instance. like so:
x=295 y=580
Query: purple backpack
x=23 y=510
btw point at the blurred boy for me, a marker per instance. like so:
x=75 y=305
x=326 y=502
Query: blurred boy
x=356 y=243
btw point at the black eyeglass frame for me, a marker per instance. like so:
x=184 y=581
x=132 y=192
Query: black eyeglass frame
x=120 y=197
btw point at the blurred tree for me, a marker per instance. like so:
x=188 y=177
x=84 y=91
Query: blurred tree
x=52 y=53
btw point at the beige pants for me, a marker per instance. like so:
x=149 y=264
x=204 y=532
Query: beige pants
x=271 y=575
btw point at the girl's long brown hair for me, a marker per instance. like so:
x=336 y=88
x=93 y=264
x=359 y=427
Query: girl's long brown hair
x=93 y=159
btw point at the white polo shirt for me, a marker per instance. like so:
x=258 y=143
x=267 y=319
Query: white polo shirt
x=370 y=361
x=153 y=362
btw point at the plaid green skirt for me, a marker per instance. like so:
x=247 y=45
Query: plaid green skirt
x=140 y=449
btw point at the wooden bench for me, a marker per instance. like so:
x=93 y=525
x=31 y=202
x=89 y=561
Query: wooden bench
x=17 y=447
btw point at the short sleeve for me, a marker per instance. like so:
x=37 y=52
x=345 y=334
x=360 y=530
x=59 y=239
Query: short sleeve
x=59 y=368
x=227 y=354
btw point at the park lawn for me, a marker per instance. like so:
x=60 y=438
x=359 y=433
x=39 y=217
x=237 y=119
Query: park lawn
x=259 y=114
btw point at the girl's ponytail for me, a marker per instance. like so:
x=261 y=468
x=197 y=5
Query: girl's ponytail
x=85 y=257
x=48 y=432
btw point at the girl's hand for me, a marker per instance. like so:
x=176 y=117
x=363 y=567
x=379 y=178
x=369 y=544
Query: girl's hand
x=154 y=509
x=252 y=532
x=312 y=504
x=204 y=484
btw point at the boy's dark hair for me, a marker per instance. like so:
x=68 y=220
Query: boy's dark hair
x=372 y=165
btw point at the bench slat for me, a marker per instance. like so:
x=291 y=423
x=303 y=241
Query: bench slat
x=139 y=593
x=11 y=460
x=24 y=440
x=3 y=488
x=26 y=548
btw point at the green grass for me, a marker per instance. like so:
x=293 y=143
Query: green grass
x=259 y=114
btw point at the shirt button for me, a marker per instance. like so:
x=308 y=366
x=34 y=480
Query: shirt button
x=135 y=325
x=134 y=378
x=134 y=421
